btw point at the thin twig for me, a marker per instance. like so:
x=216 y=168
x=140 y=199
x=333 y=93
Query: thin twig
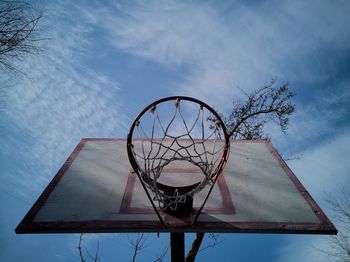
x=81 y=254
x=138 y=244
x=162 y=255
x=18 y=32
x=80 y=248
x=339 y=245
x=191 y=256
x=268 y=104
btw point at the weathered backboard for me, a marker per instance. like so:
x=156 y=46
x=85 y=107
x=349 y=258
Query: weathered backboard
x=96 y=190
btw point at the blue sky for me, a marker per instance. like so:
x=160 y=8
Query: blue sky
x=103 y=61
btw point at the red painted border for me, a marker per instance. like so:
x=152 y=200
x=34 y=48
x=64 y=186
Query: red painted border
x=126 y=208
x=29 y=218
x=299 y=186
x=28 y=225
x=109 y=226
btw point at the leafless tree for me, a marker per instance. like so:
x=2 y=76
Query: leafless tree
x=138 y=244
x=246 y=121
x=162 y=255
x=18 y=32
x=192 y=253
x=340 y=244
x=267 y=104
x=94 y=258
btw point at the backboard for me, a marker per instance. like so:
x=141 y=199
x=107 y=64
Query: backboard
x=96 y=190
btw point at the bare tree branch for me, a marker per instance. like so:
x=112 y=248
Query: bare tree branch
x=191 y=256
x=162 y=255
x=18 y=32
x=246 y=121
x=80 y=248
x=95 y=258
x=341 y=206
x=214 y=241
x=97 y=251
x=268 y=104
x=81 y=254
x=138 y=244
x=340 y=244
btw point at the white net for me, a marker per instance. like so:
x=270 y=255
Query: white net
x=191 y=133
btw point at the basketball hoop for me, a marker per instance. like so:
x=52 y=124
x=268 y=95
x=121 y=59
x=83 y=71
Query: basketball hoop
x=170 y=130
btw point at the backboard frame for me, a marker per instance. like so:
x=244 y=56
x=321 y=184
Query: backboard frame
x=28 y=225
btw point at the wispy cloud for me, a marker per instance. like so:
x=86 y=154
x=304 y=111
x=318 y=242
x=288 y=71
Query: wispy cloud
x=230 y=46
x=322 y=170
x=217 y=47
x=325 y=167
x=338 y=95
x=62 y=101
x=306 y=248
x=309 y=125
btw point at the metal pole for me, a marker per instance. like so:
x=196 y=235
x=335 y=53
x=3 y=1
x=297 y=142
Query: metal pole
x=177 y=243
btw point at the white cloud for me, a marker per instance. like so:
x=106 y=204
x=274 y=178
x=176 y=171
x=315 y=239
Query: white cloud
x=62 y=101
x=325 y=167
x=221 y=49
x=244 y=47
x=191 y=34
x=306 y=248
x=308 y=125
x=322 y=169
x=338 y=95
